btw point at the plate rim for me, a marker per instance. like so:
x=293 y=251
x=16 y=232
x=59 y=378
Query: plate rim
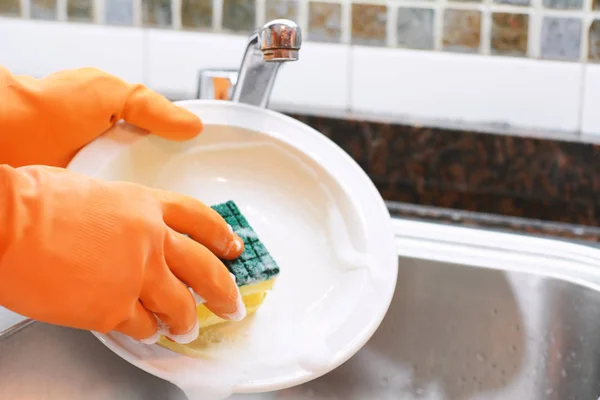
x=107 y=143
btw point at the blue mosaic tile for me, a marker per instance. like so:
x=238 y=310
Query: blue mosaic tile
x=561 y=38
x=415 y=28
x=43 y=9
x=563 y=4
x=118 y=12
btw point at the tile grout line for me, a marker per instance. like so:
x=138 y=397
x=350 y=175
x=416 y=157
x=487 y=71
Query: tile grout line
x=176 y=14
x=486 y=28
x=346 y=23
x=391 y=22
x=98 y=10
x=217 y=15
x=25 y=8
x=536 y=28
x=440 y=10
x=61 y=10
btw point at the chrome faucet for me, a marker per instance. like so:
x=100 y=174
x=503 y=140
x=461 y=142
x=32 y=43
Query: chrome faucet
x=276 y=42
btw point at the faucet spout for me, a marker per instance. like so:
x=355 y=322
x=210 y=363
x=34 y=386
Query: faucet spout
x=277 y=42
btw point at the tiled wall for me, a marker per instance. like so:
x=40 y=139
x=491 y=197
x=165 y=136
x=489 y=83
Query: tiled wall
x=547 y=29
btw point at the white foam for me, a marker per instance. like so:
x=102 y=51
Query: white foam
x=163 y=330
x=240 y=312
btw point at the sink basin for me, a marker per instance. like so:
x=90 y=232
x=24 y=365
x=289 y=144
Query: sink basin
x=476 y=315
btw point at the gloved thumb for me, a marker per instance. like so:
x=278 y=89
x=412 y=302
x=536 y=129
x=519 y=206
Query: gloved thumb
x=156 y=114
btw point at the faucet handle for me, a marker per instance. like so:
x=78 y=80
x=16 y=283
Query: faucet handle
x=280 y=40
x=216 y=84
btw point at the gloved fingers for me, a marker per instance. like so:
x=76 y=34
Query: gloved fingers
x=199 y=268
x=155 y=113
x=172 y=302
x=141 y=325
x=203 y=224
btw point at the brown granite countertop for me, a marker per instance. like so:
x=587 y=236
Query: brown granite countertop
x=537 y=186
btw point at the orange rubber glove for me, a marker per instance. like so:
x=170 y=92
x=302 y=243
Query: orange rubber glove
x=106 y=256
x=46 y=121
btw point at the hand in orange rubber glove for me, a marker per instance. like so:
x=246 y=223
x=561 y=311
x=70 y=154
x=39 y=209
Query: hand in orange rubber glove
x=107 y=256
x=46 y=121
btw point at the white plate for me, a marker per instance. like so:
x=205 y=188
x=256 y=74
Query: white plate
x=316 y=211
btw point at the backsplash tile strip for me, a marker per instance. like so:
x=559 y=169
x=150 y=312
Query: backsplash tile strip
x=546 y=29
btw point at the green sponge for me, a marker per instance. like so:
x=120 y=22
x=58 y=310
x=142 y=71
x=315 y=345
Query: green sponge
x=255 y=264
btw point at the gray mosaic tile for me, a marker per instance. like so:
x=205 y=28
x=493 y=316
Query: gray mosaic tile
x=281 y=9
x=43 y=9
x=157 y=13
x=462 y=30
x=561 y=38
x=80 y=10
x=594 y=50
x=509 y=34
x=10 y=8
x=415 y=28
x=324 y=22
x=196 y=14
x=369 y=23
x=564 y=4
x=239 y=15
x=118 y=12
x=514 y=2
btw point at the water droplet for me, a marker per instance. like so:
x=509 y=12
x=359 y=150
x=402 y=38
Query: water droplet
x=513 y=348
x=559 y=355
x=495 y=311
x=419 y=391
x=502 y=372
x=385 y=381
x=573 y=355
x=563 y=373
x=493 y=366
x=549 y=391
x=480 y=357
x=517 y=328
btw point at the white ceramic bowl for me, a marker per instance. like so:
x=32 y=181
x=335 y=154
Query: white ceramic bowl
x=315 y=210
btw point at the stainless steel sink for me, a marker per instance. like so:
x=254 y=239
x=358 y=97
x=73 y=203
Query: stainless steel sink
x=454 y=331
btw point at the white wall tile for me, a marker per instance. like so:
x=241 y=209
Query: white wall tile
x=590 y=122
x=319 y=79
x=174 y=58
x=436 y=86
x=39 y=47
